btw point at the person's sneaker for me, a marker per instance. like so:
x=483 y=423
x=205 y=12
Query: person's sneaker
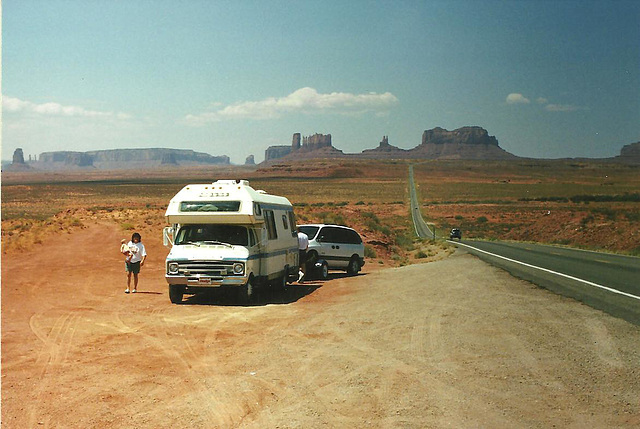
x=126 y=290
x=300 y=276
x=134 y=291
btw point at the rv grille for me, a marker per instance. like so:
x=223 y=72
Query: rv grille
x=207 y=268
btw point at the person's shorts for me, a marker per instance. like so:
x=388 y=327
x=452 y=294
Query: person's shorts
x=133 y=267
x=303 y=257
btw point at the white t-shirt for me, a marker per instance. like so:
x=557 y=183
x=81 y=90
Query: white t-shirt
x=303 y=241
x=138 y=251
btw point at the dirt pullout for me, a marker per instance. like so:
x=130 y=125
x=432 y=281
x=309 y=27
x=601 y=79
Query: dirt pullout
x=453 y=343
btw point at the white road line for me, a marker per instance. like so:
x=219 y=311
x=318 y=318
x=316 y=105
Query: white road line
x=549 y=271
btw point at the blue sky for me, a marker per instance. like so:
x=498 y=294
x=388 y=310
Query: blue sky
x=548 y=78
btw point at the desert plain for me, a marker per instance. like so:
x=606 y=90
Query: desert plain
x=426 y=336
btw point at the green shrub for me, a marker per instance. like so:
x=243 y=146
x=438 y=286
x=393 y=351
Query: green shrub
x=369 y=251
x=332 y=218
x=371 y=216
x=404 y=242
x=587 y=219
x=421 y=255
x=633 y=216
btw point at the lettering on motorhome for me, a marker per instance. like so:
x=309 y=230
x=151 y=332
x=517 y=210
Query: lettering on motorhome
x=213 y=194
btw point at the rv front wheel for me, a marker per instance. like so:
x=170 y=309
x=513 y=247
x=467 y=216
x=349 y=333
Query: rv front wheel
x=246 y=292
x=175 y=293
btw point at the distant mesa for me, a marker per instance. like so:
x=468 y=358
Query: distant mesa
x=124 y=158
x=169 y=158
x=630 y=154
x=437 y=143
x=464 y=135
x=18 y=163
x=314 y=146
x=250 y=160
x=18 y=156
x=68 y=159
x=461 y=143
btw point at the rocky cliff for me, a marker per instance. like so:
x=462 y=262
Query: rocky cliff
x=316 y=145
x=630 y=154
x=126 y=158
x=17 y=164
x=464 y=135
x=461 y=143
x=438 y=143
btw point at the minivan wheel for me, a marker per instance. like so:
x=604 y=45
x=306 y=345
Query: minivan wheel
x=175 y=293
x=354 y=267
x=324 y=271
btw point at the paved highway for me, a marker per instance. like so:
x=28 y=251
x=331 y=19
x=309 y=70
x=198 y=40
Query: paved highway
x=421 y=227
x=604 y=281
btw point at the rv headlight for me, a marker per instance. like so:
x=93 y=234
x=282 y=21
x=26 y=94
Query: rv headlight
x=238 y=268
x=173 y=267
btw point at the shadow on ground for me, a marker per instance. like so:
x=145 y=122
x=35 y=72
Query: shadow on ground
x=261 y=296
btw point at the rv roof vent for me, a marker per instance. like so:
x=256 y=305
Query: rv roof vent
x=260 y=191
x=232 y=182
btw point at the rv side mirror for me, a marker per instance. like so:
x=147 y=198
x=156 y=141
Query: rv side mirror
x=167 y=236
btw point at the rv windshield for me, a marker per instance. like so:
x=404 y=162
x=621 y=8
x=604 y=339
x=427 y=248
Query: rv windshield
x=210 y=206
x=213 y=234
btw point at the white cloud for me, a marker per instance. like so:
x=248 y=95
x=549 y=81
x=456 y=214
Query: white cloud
x=562 y=108
x=15 y=105
x=517 y=98
x=304 y=100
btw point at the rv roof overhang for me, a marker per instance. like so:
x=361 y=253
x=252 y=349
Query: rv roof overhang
x=223 y=192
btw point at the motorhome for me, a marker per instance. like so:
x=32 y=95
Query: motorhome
x=228 y=235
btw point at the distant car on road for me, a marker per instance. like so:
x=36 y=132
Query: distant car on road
x=333 y=247
x=455 y=233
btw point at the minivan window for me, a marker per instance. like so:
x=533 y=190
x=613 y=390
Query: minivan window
x=331 y=235
x=310 y=231
x=353 y=237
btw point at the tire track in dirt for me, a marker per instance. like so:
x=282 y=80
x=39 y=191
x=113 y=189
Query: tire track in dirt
x=196 y=368
x=54 y=351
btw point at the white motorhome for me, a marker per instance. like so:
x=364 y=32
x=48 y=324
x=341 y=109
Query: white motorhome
x=227 y=234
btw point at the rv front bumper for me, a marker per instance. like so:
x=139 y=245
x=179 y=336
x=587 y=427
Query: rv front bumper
x=206 y=281
x=206 y=273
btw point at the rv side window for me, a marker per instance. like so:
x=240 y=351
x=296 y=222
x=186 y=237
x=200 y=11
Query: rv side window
x=285 y=223
x=292 y=221
x=270 y=222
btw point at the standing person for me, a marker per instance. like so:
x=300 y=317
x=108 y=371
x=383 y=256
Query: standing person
x=303 y=245
x=138 y=256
